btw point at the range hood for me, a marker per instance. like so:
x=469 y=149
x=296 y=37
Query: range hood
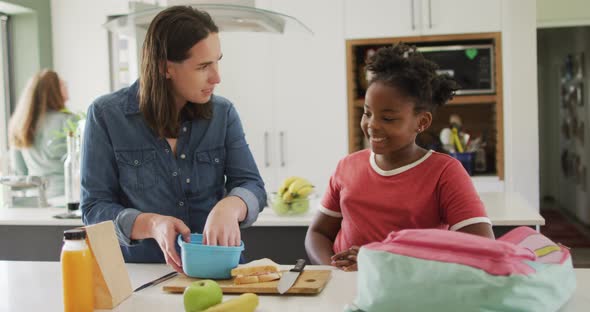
x=228 y=17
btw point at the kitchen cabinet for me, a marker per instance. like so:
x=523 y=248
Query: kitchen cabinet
x=245 y=71
x=381 y=18
x=397 y=18
x=33 y=234
x=460 y=16
x=289 y=90
x=482 y=114
x=43 y=243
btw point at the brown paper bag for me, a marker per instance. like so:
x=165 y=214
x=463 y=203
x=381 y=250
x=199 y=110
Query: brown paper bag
x=111 y=280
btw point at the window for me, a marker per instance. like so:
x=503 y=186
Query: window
x=5 y=91
x=122 y=60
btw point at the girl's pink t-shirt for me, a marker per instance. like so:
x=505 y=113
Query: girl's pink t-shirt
x=433 y=192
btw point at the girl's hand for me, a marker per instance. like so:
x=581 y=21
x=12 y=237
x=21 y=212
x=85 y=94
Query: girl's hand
x=346 y=260
x=222 y=228
x=164 y=230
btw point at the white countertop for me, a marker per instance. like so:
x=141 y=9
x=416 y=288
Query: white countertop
x=509 y=208
x=36 y=286
x=504 y=209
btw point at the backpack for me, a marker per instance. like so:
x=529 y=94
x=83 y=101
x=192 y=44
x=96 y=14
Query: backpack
x=440 y=270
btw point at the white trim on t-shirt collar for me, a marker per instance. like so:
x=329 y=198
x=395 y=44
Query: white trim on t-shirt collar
x=399 y=170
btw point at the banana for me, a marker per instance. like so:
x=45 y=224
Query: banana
x=294 y=187
x=304 y=182
x=285 y=186
x=244 y=303
x=297 y=185
x=304 y=191
x=287 y=197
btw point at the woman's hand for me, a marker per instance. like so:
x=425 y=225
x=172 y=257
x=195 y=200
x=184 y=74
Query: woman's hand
x=222 y=226
x=164 y=230
x=346 y=260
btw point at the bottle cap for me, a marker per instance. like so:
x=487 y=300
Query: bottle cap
x=75 y=234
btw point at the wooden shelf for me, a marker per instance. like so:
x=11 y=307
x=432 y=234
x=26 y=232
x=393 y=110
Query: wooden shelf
x=457 y=100
x=473 y=99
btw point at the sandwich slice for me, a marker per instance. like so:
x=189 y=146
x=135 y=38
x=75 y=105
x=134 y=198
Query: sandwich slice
x=257 y=271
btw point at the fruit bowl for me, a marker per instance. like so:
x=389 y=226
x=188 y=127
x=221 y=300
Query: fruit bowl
x=292 y=197
x=296 y=206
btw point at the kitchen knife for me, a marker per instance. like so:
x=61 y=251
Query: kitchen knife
x=157 y=281
x=289 y=278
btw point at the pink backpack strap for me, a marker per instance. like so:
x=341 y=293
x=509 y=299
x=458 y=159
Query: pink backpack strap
x=493 y=256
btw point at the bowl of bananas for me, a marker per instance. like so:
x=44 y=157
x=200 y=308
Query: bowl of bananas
x=292 y=197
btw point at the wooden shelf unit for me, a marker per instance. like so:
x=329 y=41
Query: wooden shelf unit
x=480 y=113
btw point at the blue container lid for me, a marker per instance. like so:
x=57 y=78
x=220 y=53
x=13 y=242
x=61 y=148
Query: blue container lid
x=196 y=243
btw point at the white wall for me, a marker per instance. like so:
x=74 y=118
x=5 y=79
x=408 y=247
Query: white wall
x=80 y=47
x=552 y=13
x=521 y=125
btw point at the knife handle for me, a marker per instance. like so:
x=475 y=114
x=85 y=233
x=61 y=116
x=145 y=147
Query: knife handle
x=299 y=265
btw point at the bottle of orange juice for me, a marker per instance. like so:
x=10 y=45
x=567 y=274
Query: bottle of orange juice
x=76 y=268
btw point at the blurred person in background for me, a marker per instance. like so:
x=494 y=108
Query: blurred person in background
x=36 y=147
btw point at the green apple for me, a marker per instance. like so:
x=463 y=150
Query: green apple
x=201 y=295
x=300 y=206
x=279 y=206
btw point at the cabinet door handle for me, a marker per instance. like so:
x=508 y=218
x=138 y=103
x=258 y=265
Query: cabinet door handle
x=412 y=15
x=282 y=139
x=430 y=14
x=266 y=157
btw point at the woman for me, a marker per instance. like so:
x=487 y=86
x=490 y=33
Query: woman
x=166 y=156
x=36 y=147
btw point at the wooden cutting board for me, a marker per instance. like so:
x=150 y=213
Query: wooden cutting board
x=309 y=282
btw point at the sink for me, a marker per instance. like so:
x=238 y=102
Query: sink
x=24 y=191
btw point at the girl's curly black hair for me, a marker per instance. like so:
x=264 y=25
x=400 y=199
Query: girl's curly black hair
x=402 y=67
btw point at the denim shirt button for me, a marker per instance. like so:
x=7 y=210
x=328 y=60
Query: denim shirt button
x=188 y=180
x=217 y=160
x=181 y=203
x=184 y=129
x=174 y=173
x=183 y=156
x=167 y=150
x=136 y=162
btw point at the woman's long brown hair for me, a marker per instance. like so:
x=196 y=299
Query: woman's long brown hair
x=42 y=94
x=170 y=36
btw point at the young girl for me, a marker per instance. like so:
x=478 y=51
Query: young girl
x=35 y=148
x=397 y=184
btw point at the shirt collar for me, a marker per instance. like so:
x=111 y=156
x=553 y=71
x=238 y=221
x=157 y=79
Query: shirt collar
x=399 y=170
x=132 y=106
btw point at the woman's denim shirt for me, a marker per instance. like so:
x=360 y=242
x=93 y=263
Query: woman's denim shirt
x=127 y=169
